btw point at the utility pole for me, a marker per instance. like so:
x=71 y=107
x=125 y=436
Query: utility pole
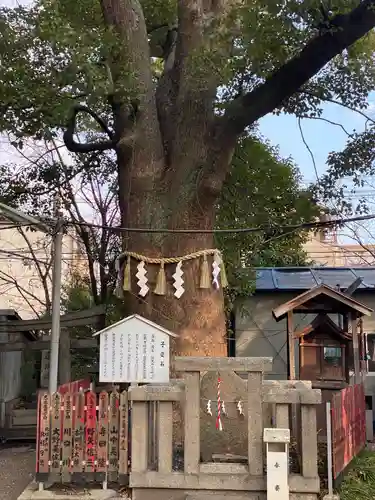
x=56 y=298
x=21 y=218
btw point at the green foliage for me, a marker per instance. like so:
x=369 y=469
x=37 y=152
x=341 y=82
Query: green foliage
x=262 y=189
x=159 y=12
x=359 y=483
x=52 y=54
x=347 y=169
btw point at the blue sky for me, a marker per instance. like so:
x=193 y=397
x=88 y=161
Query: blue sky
x=321 y=137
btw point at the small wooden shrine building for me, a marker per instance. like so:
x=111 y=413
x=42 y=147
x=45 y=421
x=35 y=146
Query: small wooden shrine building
x=325 y=352
x=332 y=346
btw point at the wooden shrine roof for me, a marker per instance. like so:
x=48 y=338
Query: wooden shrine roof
x=322 y=298
x=324 y=321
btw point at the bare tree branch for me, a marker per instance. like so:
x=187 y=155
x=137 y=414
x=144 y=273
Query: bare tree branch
x=43 y=275
x=308 y=149
x=334 y=101
x=76 y=216
x=7 y=278
x=331 y=122
x=20 y=255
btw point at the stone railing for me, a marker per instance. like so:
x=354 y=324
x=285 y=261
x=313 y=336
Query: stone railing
x=280 y=401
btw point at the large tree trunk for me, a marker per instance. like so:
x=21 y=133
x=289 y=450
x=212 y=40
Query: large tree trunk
x=166 y=158
x=198 y=316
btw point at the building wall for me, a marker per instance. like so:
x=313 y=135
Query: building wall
x=325 y=250
x=259 y=334
x=21 y=288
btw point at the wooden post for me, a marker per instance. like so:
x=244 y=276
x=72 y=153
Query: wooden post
x=78 y=435
x=255 y=423
x=165 y=424
x=292 y=367
x=90 y=435
x=192 y=423
x=124 y=438
x=67 y=440
x=357 y=371
x=44 y=437
x=139 y=436
x=291 y=353
x=55 y=437
x=363 y=339
x=113 y=447
x=102 y=453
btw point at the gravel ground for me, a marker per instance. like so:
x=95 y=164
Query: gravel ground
x=16 y=470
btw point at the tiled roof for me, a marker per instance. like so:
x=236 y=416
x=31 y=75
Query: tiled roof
x=303 y=278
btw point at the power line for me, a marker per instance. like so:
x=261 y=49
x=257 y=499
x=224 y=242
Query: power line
x=263 y=227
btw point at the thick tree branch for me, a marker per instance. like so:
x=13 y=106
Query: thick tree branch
x=190 y=26
x=76 y=147
x=344 y=30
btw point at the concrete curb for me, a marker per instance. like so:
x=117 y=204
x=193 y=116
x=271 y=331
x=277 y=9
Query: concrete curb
x=32 y=493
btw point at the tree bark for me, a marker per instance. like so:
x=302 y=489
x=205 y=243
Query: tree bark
x=197 y=317
x=160 y=184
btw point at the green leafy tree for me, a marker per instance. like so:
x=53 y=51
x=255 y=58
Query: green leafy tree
x=263 y=190
x=247 y=201
x=226 y=63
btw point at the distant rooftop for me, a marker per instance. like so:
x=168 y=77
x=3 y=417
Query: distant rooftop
x=304 y=278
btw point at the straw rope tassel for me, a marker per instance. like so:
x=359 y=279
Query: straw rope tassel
x=161 y=281
x=205 y=274
x=223 y=274
x=219 y=425
x=127 y=284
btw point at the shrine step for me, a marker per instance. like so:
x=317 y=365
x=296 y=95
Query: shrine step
x=23 y=418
